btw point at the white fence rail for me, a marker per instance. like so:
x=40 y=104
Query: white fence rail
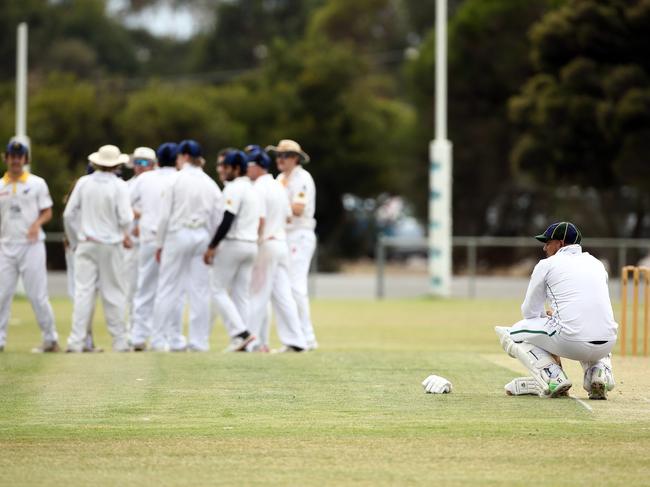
x=473 y=244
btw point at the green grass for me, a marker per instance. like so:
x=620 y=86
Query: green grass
x=351 y=413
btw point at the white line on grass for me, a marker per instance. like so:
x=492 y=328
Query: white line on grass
x=582 y=403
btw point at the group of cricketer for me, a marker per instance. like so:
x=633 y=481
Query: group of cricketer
x=166 y=239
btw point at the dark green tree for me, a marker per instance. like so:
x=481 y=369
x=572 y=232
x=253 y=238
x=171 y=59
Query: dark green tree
x=488 y=62
x=584 y=118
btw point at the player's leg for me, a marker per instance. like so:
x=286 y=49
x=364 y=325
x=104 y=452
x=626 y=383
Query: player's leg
x=130 y=273
x=224 y=270
x=287 y=319
x=9 y=273
x=544 y=369
x=145 y=295
x=113 y=293
x=241 y=284
x=69 y=270
x=301 y=250
x=33 y=269
x=170 y=294
x=86 y=277
x=260 y=292
x=198 y=283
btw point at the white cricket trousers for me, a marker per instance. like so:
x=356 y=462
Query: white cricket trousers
x=182 y=273
x=98 y=267
x=130 y=274
x=302 y=244
x=232 y=271
x=271 y=281
x=546 y=334
x=145 y=295
x=27 y=261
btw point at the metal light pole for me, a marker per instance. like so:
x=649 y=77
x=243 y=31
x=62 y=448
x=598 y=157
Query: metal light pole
x=21 y=84
x=440 y=172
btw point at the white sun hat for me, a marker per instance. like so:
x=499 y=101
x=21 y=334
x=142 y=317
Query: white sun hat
x=288 y=145
x=143 y=153
x=108 y=156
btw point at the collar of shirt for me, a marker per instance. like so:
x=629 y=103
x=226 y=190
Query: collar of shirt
x=188 y=166
x=22 y=179
x=103 y=175
x=571 y=249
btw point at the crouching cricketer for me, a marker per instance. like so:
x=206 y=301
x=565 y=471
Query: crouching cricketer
x=579 y=325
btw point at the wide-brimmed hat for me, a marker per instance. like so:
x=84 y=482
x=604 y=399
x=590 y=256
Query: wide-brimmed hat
x=565 y=231
x=108 y=156
x=146 y=153
x=288 y=145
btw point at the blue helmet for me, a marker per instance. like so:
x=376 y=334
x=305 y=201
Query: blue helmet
x=236 y=158
x=256 y=155
x=190 y=147
x=167 y=153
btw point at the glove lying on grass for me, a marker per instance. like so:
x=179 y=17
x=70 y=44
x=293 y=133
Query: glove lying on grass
x=434 y=384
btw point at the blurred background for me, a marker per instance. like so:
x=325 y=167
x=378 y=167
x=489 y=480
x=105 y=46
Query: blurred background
x=549 y=106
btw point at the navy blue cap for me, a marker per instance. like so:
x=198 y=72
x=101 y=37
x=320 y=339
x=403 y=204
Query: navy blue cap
x=17 y=148
x=256 y=155
x=190 y=147
x=166 y=154
x=236 y=158
x=565 y=231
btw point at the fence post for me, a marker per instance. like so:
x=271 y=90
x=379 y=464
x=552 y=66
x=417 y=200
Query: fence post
x=380 y=255
x=471 y=267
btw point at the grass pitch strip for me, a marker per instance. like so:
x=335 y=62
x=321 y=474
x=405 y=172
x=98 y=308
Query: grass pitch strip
x=351 y=413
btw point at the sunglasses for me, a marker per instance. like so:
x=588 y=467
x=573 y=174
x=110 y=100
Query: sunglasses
x=284 y=155
x=142 y=162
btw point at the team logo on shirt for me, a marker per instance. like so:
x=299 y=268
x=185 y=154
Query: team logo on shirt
x=301 y=195
x=229 y=202
x=26 y=190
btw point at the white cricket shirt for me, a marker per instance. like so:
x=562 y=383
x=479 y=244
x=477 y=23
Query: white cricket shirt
x=147 y=196
x=21 y=203
x=301 y=189
x=241 y=200
x=274 y=207
x=99 y=209
x=192 y=200
x=574 y=283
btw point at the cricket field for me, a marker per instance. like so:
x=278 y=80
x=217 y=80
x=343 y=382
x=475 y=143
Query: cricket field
x=351 y=413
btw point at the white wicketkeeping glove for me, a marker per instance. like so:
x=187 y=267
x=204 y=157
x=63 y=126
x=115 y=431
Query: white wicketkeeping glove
x=434 y=384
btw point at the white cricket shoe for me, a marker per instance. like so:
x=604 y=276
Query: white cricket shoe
x=522 y=386
x=239 y=344
x=599 y=380
x=288 y=349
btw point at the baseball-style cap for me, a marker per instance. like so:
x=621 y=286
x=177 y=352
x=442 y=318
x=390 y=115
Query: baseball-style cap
x=167 y=153
x=565 y=231
x=190 y=147
x=236 y=158
x=256 y=155
x=17 y=148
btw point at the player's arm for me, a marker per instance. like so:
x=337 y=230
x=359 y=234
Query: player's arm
x=71 y=215
x=124 y=214
x=299 y=201
x=222 y=231
x=533 y=305
x=44 y=216
x=45 y=203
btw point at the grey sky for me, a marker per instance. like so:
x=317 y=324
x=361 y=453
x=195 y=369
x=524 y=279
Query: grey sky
x=162 y=20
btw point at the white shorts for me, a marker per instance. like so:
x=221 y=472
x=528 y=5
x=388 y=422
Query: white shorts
x=546 y=333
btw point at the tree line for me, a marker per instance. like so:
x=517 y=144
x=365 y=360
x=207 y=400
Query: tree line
x=549 y=99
